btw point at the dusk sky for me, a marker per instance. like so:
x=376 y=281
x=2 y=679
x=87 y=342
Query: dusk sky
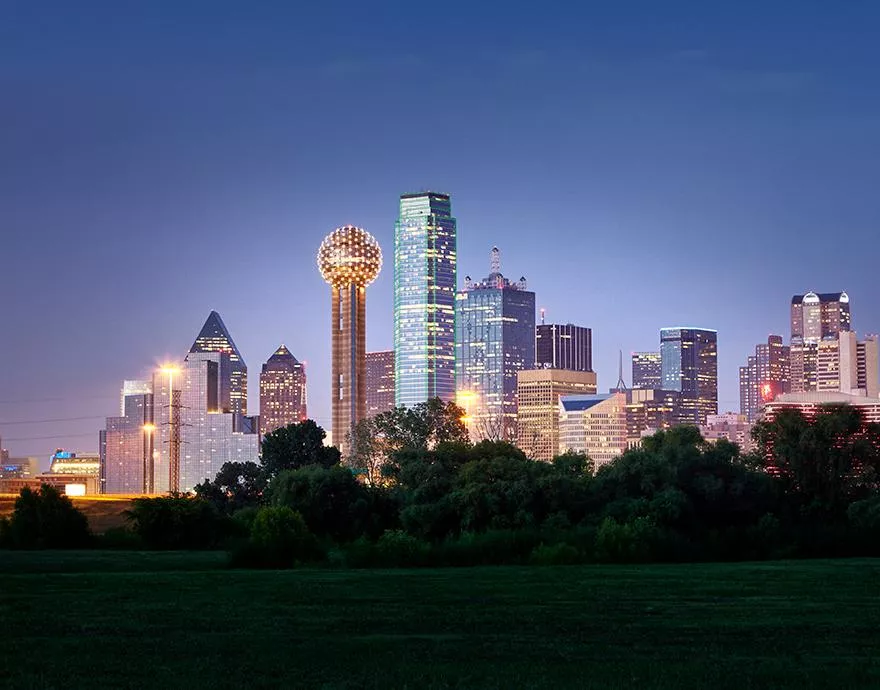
x=643 y=164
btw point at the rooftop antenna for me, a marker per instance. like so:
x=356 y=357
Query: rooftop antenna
x=621 y=386
x=495 y=257
x=543 y=311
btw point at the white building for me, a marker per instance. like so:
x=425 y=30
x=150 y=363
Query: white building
x=593 y=424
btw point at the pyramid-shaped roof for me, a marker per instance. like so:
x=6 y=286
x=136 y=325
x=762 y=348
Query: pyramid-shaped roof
x=215 y=338
x=282 y=353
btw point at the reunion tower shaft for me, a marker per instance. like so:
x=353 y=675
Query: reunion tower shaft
x=349 y=259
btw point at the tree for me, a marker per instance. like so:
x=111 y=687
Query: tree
x=178 y=522
x=280 y=538
x=824 y=463
x=423 y=426
x=46 y=519
x=368 y=451
x=237 y=485
x=296 y=446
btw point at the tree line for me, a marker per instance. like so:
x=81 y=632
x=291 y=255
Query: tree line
x=416 y=492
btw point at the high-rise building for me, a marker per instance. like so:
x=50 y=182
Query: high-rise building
x=129 y=458
x=282 y=391
x=563 y=346
x=538 y=393
x=766 y=375
x=646 y=370
x=649 y=410
x=593 y=424
x=868 y=365
x=133 y=387
x=349 y=260
x=815 y=316
x=214 y=337
x=731 y=427
x=192 y=436
x=380 y=382
x=425 y=257
x=689 y=365
x=495 y=339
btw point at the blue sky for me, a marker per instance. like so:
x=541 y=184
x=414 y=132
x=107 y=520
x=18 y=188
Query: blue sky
x=643 y=164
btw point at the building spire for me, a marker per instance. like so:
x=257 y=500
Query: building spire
x=495 y=260
x=621 y=385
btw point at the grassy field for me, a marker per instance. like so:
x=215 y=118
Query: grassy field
x=117 y=620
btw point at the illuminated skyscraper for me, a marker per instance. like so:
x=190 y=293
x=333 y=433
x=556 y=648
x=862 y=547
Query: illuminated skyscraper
x=380 y=382
x=646 y=370
x=815 y=317
x=593 y=424
x=282 y=391
x=233 y=378
x=129 y=457
x=689 y=365
x=349 y=260
x=563 y=346
x=765 y=376
x=495 y=338
x=424 y=299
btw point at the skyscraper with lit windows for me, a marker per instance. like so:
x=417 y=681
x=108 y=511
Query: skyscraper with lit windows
x=495 y=327
x=282 y=391
x=425 y=260
x=233 y=377
x=689 y=365
x=646 y=370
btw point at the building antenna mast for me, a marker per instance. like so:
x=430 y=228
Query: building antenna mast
x=621 y=385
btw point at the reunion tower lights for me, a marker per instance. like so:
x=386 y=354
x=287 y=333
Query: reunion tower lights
x=349 y=259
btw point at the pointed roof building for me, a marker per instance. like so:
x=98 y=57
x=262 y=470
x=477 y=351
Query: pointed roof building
x=214 y=337
x=282 y=391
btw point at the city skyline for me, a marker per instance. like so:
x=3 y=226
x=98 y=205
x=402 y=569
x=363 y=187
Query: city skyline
x=611 y=169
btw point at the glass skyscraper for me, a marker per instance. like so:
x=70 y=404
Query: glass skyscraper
x=495 y=338
x=424 y=299
x=233 y=376
x=282 y=391
x=689 y=364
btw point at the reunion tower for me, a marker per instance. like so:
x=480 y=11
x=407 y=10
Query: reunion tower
x=349 y=259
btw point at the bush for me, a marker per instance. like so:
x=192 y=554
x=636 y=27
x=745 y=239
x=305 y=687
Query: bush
x=178 y=522
x=397 y=549
x=555 y=554
x=279 y=539
x=121 y=538
x=629 y=542
x=46 y=519
x=495 y=547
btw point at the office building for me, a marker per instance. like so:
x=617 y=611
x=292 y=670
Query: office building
x=815 y=316
x=649 y=410
x=593 y=424
x=563 y=346
x=192 y=436
x=349 y=259
x=214 y=337
x=133 y=387
x=646 y=370
x=282 y=391
x=67 y=462
x=538 y=393
x=380 y=382
x=495 y=339
x=425 y=262
x=689 y=365
x=868 y=365
x=731 y=427
x=128 y=448
x=766 y=375
x=810 y=403
x=847 y=365
x=18 y=468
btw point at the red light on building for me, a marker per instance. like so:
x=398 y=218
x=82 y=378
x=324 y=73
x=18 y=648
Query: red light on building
x=767 y=392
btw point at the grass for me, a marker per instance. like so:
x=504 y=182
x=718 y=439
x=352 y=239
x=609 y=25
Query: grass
x=132 y=620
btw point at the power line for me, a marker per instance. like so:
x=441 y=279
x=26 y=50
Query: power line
x=47 y=438
x=46 y=421
x=22 y=401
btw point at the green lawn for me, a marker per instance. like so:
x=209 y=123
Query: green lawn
x=180 y=620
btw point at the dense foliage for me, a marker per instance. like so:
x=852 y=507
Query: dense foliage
x=44 y=519
x=432 y=498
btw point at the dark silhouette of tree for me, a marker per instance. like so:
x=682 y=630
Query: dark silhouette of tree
x=295 y=446
x=46 y=519
x=237 y=485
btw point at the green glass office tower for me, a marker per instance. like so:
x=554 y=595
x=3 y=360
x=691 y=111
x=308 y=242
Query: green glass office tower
x=424 y=299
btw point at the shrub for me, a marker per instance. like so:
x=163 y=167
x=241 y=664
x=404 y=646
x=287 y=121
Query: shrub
x=555 y=554
x=46 y=519
x=279 y=539
x=397 y=549
x=178 y=522
x=629 y=542
x=121 y=538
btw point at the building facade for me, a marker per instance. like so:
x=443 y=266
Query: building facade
x=649 y=410
x=380 y=382
x=349 y=259
x=129 y=451
x=214 y=337
x=766 y=375
x=593 y=424
x=689 y=365
x=564 y=346
x=646 y=370
x=282 y=391
x=495 y=339
x=731 y=427
x=815 y=317
x=425 y=261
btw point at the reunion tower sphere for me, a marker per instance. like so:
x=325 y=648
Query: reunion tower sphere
x=349 y=256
